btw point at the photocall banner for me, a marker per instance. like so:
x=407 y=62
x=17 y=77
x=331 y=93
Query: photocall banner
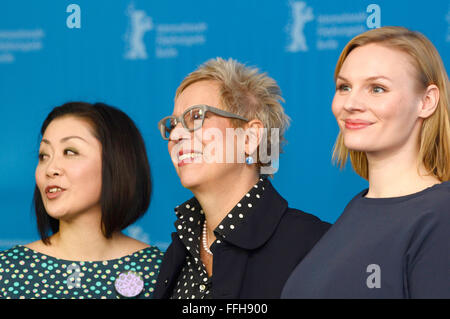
x=133 y=54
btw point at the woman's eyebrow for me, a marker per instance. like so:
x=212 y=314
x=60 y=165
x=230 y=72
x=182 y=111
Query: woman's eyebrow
x=378 y=77
x=340 y=77
x=370 y=78
x=64 y=139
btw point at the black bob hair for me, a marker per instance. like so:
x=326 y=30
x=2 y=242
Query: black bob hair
x=126 y=177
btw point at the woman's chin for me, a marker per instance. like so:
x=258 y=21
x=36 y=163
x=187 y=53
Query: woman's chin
x=356 y=144
x=191 y=179
x=190 y=182
x=57 y=213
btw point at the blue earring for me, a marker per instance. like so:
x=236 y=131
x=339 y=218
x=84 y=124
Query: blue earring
x=249 y=160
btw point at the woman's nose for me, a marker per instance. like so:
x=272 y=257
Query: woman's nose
x=179 y=132
x=54 y=168
x=354 y=102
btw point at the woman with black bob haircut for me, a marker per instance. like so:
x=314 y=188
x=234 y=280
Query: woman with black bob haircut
x=92 y=181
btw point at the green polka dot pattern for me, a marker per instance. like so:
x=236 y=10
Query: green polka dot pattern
x=27 y=274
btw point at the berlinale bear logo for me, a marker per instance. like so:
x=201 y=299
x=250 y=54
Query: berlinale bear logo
x=139 y=24
x=301 y=15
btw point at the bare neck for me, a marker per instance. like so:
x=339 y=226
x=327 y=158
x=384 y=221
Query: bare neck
x=218 y=199
x=397 y=174
x=81 y=239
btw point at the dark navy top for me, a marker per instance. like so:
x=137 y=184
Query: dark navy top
x=193 y=281
x=381 y=248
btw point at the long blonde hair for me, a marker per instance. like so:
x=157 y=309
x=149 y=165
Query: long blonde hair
x=434 y=151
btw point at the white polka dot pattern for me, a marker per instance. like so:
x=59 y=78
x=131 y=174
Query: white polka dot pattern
x=193 y=281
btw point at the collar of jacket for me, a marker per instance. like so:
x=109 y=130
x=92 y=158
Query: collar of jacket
x=255 y=232
x=257 y=227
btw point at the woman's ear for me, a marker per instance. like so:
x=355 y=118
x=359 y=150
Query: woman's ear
x=253 y=136
x=429 y=101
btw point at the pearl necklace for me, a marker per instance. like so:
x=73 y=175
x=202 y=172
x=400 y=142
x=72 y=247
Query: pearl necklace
x=205 y=244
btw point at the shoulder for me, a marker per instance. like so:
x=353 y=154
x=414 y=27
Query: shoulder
x=297 y=217
x=436 y=206
x=295 y=235
x=154 y=252
x=133 y=244
x=303 y=226
x=40 y=247
x=290 y=217
x=439 y=197
x=134 y=247
x=11 y=259
x=150 y=257
x=432 y=207
x=12 y=253
x=428 y=244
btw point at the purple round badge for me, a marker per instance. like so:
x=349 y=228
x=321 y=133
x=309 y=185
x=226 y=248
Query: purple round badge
x=129 y=284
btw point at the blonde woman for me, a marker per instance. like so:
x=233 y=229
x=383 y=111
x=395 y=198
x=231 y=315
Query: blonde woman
x=392 y=240
x=235 y=238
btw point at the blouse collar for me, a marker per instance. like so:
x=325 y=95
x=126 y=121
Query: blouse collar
x=237 y=223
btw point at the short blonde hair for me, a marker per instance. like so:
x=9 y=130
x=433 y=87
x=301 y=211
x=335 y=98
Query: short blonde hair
x=246 y=92
x=434 y=140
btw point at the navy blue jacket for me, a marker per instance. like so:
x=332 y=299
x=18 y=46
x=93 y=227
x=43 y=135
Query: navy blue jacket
x=256 y=261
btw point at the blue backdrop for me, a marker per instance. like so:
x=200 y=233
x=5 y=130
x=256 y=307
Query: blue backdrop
x=133 y=54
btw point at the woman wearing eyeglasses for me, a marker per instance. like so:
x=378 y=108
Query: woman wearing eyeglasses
x=235 y=237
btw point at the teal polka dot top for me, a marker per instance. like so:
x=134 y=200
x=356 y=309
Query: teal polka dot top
x=26 y=274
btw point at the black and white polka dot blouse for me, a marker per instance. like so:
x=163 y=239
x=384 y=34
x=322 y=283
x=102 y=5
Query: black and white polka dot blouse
x=193 y=281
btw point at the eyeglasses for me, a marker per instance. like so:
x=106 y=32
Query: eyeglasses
x=192 y=119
